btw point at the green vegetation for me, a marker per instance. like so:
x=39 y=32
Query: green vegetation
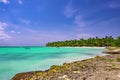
x=110 y=60
x=98 y=42
x=118 y=59
x=113 y=65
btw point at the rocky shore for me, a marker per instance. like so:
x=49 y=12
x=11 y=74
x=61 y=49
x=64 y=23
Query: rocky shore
x=98 y=68
x=112 y=50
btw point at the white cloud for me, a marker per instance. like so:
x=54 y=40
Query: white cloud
x=114 y=4
x=12 y=31
x=30 y=30
x=18 y=32
x=4 y=1
x=1 y=28
x=2 y=25
x=3 y=34
x=84 y=35
x=69 y=10
x=20 y=1
x=79 y=21
x=25 y=21
x=15 y=32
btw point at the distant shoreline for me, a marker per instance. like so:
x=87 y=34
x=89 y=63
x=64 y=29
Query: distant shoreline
x=79 y=47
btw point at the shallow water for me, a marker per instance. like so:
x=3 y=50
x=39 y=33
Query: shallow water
x=19 y=59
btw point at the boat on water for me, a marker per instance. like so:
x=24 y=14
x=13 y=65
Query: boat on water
x=27 y=48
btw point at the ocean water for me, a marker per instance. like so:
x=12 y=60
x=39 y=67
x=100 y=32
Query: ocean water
x=20 y=59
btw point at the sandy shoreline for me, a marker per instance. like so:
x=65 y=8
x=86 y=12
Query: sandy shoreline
x=78 y=47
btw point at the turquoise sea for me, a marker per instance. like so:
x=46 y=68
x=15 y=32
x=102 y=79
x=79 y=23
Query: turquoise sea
x=22 y=59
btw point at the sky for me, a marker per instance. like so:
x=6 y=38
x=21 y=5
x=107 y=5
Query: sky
x=36 y=22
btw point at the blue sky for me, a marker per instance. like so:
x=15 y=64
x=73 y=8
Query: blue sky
x=36 y=22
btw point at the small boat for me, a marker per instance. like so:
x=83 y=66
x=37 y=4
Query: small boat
x=27 y=48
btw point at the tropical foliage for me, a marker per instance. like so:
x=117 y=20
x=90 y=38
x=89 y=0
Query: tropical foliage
x=100 y=42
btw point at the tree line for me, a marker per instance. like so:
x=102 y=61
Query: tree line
x=91 y=42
